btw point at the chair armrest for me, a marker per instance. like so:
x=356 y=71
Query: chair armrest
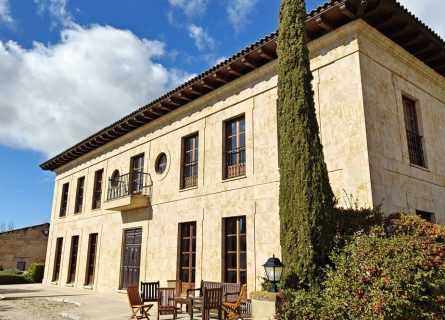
x=229 y=294
x=190 y=290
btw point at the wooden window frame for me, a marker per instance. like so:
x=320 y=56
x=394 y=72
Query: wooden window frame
x=91 y=261
x=97 y=189
x=57 y=259
x=238 y=167
x=414 y=138
x=137 y=173
x=64 y=199
x=189 y=181
x=238 y=250
x=80 y=189
x=190 y=251
x=74 y=254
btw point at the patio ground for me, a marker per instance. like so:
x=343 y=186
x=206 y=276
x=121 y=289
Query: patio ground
x=38 y=301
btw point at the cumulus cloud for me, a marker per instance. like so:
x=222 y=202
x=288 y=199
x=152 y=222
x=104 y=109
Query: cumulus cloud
x=57 y=10
x=430 y=12
x=52 y=96
x=238 y=12
x=190 y=7
x=5 y=13
x=201 y=38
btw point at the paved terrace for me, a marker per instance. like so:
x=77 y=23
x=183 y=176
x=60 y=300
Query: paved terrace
x=88 y=305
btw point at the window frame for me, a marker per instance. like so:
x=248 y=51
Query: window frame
x=238 y=168
x=190 y=251
x=91 y=261
x=137 y=163
x=97 y=189
x=414 y=139
x=238 y=234
x=64 y=200
x=74 y=254
x=57 y=259
x=191 y=180
x=80 y=190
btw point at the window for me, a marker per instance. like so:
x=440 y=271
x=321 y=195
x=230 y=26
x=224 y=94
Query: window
x=91 y=263
x=64 y=200
x=235 y=148
x=187 y=252
x=161 y=163
x=137 y=174
x=57 y=259
x=414 y=139
x=428 y=216
x=21 y=265
x=73 y=259
x=235 y=250
x=79 y=195
x=190 y=162
x=97 y=191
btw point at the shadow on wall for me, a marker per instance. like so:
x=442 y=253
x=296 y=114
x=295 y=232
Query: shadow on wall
x=137 y=215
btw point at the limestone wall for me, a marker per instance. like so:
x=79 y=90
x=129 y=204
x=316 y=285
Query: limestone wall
x=23 y=245
x=389 y=73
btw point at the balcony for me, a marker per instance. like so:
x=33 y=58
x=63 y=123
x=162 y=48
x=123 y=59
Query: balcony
x=128 y=192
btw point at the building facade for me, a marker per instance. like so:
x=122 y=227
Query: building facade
x=187 y=186
x=21 y=247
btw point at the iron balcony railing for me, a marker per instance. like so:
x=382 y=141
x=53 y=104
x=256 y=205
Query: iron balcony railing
x=190 y=174
x=415 y=149
x=235 y=162
x=138 y=183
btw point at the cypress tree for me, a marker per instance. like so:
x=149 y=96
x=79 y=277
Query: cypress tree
x=306 y=199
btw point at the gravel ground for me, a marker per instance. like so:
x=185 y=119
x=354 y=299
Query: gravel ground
x=33 y=308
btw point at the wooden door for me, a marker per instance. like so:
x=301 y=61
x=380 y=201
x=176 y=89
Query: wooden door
x=131 y=257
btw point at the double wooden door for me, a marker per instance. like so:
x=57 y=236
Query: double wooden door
x=131 y=257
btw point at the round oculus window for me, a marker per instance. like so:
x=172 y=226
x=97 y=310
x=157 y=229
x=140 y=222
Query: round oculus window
x=161 y=163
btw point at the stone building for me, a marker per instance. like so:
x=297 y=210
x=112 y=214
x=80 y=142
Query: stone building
x=187 y=186
x=21 y=247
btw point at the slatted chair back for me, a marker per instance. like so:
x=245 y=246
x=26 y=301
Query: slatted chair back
x=139 y=310
x=231 y=291
x=166 y=301
x=133 y=296
x=211 y=299
x=149 y=291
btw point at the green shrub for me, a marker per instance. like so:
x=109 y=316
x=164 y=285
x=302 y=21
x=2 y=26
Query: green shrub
x=395 y=271
x=12 y=279
x=35 y=272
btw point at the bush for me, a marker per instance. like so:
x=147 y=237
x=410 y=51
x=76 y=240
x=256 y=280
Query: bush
x=35 y=272
x=395 y=271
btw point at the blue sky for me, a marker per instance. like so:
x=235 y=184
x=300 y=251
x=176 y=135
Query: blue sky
x=69 y=67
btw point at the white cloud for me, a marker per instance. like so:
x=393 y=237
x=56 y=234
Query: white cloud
x=238 y=12
x=201 y=38
x=52 y=96
x=430 y=12
x=190 y=7
x=5 y=13
x=57 y=10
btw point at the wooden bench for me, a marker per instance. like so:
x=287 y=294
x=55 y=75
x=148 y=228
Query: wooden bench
x=149 y=291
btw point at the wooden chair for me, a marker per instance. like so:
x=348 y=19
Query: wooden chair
x=166 y=302
x=232 y=310
x=138 y=308
x=211 y=299
x=149 y=291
